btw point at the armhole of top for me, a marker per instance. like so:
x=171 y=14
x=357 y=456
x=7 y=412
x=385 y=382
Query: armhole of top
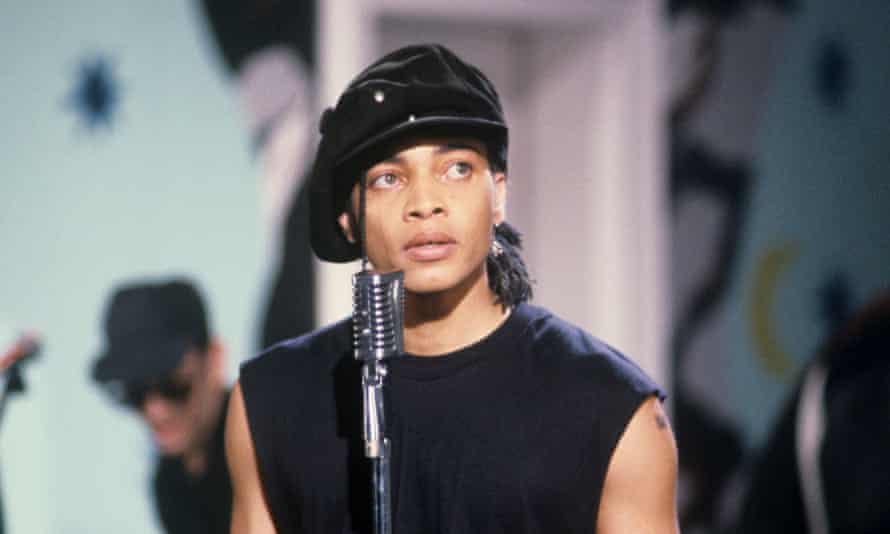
x=255 y=402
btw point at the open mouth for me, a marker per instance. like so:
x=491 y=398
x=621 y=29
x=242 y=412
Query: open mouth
x=429 y=240
x=430 y=246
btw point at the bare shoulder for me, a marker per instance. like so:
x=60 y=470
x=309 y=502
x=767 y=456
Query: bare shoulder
x=639 y=493
x=249 y=511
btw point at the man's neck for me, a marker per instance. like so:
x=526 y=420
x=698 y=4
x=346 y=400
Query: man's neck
x=195 y=461
x=440 y=323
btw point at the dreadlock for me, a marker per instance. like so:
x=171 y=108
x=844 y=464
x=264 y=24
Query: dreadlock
x=508 y=277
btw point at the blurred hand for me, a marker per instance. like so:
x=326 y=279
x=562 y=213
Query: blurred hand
x=23 y=346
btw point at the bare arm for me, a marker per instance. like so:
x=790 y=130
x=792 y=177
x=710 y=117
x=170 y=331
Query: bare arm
x=639 y=493
x=249 y=512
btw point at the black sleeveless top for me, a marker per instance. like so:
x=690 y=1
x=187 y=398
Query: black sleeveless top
x=202 y=505
x=512 y=434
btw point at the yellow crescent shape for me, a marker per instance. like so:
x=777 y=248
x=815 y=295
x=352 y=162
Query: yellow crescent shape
x=773 y=263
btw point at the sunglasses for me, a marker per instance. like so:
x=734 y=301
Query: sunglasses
x=133 y=395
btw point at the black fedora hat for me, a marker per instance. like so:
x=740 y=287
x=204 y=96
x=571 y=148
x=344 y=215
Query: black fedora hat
x=422 y=88
x=148 y=329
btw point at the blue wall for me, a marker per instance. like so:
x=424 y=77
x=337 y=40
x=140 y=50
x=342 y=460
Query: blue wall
x=167 y=187
x=821 y=198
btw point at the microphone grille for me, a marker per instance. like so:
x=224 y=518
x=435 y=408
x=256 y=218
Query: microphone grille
x=377 y=314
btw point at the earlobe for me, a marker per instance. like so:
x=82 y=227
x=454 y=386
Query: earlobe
x=345 y=222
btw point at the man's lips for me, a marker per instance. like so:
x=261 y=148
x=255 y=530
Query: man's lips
x=430 y=238
x=163 y=428
x=430 y=246
x=165 y=436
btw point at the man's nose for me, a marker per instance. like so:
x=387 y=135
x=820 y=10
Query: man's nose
x=154 y=406
x=425 y=200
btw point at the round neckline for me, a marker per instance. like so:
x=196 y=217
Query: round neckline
x=424 y=368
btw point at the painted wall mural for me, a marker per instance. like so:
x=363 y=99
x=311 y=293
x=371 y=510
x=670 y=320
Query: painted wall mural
x=779 y=167
x=269 y=49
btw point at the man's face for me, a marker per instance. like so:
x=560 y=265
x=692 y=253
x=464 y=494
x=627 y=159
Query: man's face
x=430 y=210
x=180 y=423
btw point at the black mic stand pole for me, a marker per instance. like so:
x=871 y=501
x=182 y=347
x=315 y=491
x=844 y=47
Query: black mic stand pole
x=13 y=382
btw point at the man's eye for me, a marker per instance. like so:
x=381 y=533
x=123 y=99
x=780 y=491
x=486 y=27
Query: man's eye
x=459 y=170
x=384 y=181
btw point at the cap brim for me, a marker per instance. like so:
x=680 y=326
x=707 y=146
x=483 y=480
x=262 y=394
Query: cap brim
x=140 y=362
x=472 y=124
x=327 y=239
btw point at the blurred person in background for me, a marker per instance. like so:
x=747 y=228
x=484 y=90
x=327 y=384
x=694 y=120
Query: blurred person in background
x=825 y=468
x=161 y=361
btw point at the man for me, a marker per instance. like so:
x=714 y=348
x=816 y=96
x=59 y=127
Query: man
x=161 y=361
x=502 y=417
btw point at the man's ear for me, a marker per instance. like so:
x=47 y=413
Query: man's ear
x=500 y=197
x=345 y=222
x=216 y=352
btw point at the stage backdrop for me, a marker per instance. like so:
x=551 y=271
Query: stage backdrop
x=780 y=190
x=124 y=153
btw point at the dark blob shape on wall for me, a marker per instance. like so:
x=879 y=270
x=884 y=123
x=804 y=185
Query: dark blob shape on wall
x=95 y=94
x=724 y=9
x=290 y=302
x=832 y=73
x=710 y=449
x=242 y=27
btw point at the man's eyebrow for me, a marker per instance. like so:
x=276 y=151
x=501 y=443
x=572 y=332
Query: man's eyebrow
x=392 y=160
x=450 y=147
x=444 y=148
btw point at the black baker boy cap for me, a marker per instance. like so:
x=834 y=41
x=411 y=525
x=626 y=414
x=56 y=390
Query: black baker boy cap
x=423 y=88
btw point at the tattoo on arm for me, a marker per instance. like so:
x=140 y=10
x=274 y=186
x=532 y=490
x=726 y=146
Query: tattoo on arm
x=661 y=421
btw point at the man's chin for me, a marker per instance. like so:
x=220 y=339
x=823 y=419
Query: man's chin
x=169 y=445
x=425 y=285
x=435 y=280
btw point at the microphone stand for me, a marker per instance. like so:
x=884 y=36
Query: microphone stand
x=12 y=381
x=377 y=445
x=377 y=321
x=377 y=330
x=11 y=363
